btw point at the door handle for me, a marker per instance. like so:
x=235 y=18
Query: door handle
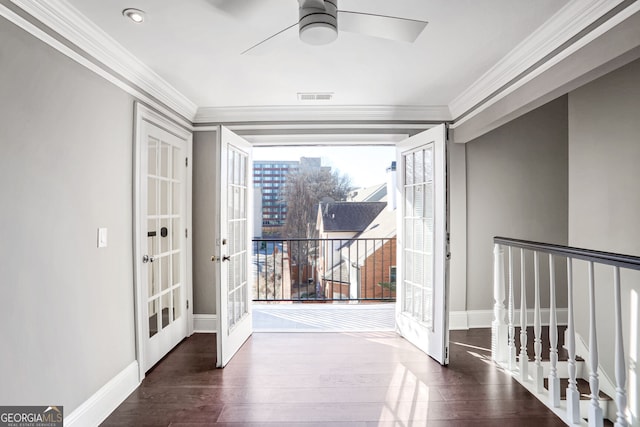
x=215 y=258
x=147 y=258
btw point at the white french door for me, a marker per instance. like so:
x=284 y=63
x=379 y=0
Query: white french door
x=422 y=284
x=161 y=251
x=235 y=201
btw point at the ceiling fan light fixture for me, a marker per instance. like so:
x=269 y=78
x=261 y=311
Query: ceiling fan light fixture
x=318 y=26
x=136 y=15
x=318 y=34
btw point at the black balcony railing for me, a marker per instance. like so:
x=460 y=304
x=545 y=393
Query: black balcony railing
x=324 y=270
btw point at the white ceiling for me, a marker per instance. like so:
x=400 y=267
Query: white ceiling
x=196 y=48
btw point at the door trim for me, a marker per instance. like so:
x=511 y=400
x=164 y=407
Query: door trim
x=143 y=114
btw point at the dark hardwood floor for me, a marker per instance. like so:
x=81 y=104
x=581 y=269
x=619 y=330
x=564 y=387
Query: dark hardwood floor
x=337 y=379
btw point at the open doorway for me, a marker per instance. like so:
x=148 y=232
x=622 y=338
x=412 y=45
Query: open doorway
x=421 y=249
x=324 y=252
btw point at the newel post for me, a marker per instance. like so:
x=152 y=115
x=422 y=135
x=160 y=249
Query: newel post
x=499 y=328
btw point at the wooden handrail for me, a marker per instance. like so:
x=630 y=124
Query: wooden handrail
x=609 y=258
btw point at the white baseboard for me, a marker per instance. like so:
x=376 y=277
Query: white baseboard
x=483 y=318
x=207 y=323
x=458 y=320
x=480 y=318
x=103 y=402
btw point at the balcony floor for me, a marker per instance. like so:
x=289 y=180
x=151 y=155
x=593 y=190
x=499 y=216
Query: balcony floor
x=323 y=317
x=337 y=379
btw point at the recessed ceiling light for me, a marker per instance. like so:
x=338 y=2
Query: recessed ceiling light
x=136 y=15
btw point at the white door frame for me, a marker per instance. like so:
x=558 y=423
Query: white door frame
x=324 y=140
x=145 y=114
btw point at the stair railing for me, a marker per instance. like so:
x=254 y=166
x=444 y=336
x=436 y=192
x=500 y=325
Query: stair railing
x=504 y=331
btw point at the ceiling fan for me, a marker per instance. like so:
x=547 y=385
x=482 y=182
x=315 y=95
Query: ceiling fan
x=320 y=20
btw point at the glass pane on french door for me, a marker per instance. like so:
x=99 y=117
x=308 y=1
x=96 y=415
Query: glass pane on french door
x=418 y=231
x=164 y=225
x=237 y=225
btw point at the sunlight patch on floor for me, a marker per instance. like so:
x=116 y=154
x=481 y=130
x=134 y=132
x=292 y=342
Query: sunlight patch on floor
x=471 y=346
x=411 y=389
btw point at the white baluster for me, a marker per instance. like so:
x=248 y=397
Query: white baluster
x=573 y=396
x=621 y=377
x=498 y=326
x=512 y=329
x=537 y=327
x=554 y=381
x=524 y=358
x=595 y=412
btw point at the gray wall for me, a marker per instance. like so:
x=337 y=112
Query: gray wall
x=67 y=318
x=204 y=187
x=457 y=227
x=604 y=148
x=516 y=187
x=604 y=198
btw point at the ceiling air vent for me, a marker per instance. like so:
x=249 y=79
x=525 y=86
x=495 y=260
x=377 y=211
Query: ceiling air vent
x=315 y=96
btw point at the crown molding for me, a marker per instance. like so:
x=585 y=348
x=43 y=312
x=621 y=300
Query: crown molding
x=69 y=23
x=324 y=113
x=566 y=24
x=333 y=139
x=610 y=46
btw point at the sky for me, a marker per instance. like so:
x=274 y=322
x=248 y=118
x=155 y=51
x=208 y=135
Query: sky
x=365 y=165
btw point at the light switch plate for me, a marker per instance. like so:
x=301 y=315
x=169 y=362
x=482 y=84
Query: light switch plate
x=102 y=237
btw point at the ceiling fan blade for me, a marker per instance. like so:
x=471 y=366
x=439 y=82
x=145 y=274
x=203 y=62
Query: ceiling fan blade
x=386 y=27
x=259 y=47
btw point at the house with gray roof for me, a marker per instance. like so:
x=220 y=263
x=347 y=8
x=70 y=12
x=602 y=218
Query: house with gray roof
x=346 y=219
x=344 y=258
